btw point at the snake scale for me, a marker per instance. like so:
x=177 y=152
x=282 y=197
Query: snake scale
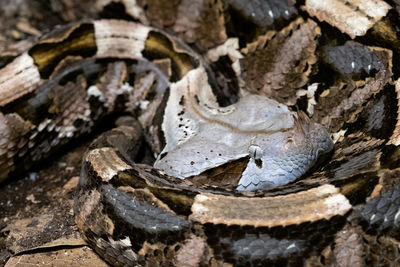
x=344 y=211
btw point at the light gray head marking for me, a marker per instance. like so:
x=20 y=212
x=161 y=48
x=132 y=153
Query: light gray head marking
x=281 y=144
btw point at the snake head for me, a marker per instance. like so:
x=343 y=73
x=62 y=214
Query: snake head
x=283 y=157
x=200 y=135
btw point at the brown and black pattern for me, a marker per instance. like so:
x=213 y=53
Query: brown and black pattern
x=344 y=212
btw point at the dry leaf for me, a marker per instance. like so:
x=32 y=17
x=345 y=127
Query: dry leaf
x=74 y=257
x=44 y=231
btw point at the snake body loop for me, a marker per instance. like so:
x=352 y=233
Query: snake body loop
x=134 y=214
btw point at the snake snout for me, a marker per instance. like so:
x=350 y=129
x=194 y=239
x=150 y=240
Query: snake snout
x=279 y=161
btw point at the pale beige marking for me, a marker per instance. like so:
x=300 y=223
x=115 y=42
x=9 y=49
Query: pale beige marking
x=18 y=78
x=120 y=39
x=314 y=204
x=106 y=163
x=353 y=18
x=395 y=138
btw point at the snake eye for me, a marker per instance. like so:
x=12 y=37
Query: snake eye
x=255 y=151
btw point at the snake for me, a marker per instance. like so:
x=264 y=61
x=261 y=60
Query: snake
x=185 y=179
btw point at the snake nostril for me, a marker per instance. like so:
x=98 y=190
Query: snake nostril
x=255 y=152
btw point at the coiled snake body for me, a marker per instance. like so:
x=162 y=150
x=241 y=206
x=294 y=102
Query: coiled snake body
x=134 y=214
